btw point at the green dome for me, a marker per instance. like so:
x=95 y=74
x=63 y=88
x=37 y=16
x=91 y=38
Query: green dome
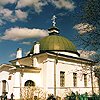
x=56 y=42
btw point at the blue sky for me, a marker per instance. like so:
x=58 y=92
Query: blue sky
x=24 y=21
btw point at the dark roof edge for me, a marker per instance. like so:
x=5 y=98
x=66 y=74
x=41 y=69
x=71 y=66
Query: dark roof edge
x=62 y=50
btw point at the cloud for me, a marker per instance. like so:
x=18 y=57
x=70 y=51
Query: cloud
x=62 y=14
x=23 y=33
x=5 y=12
x=37 y=4
x=1 y=22
x=12 y=55
x=24 y=3
x=4 y=2
x=86 y=54
x=26 y=43
x=84 y=28
x=8 y=15
x=67 y=4
x=21 y=14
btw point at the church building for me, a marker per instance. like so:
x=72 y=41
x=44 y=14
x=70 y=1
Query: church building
x=53 y=66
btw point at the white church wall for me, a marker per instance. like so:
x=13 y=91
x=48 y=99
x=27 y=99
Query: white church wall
x=35 y=77
x=16 y=85
x=50 y=76
x=4 y=76
x=9 y=83
x=68 y=68
x=43 y=74
x=45 y=79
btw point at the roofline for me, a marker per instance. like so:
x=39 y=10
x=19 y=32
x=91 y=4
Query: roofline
x=42 y=51
x=48 y=52
x=29 y=55
x=73 y=57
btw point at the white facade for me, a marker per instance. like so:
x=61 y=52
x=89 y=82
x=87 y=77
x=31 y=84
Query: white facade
x=43 y=77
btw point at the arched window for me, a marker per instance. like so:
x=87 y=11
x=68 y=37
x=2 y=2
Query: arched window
x=29 y=83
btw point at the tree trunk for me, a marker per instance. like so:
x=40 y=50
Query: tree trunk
x=99 y=84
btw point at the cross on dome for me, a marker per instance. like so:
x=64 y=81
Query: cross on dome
x=54 y=20
x=53 y=30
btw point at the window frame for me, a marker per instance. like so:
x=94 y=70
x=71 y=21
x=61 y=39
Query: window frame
x=4 y=86
x=75 y=79
x=29 y=83
x=85 y=80
x=62 y=78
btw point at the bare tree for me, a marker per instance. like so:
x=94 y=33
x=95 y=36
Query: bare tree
x=89 y=26
x=89 y=29
x=97 y=74
x=33 y=93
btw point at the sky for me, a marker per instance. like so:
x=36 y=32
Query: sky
x=22 y=22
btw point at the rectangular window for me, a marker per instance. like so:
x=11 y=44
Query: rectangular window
x=62 y=78
x=3 y=86
x=75 y=79
x=85 y=80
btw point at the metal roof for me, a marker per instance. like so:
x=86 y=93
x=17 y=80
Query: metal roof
x=56 y=42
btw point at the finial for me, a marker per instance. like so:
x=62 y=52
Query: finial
x=54 y=20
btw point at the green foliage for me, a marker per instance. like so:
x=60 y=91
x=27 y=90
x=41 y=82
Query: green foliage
x=84 y=96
